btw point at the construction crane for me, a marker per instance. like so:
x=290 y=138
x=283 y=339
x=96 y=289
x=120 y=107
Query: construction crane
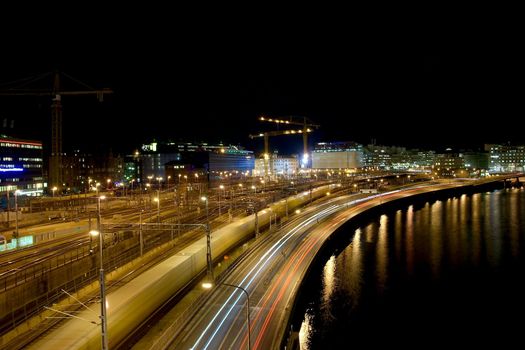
x=19 y=88
x=306 y=128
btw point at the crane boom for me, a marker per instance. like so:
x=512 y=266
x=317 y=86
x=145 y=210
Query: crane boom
x=55 y=161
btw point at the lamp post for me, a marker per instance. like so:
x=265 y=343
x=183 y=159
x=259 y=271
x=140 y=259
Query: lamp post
x=208 y=242
x=205 y=199
x=169 y=177
x=103 y=312
x=209 y=285
x=159 y=179
x=219 y=200
x=54 y=189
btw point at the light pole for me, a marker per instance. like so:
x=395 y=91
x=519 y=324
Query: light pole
x=54 y=189
x=208 y=242
x=16 y=213
x=209 y=285
x=219 y=198
x=169 y=177
x=103 y=312
x=159 y=179
x=205 y=199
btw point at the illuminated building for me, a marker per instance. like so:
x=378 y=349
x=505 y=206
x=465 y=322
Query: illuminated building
x=211 y=162
x=277 y=165
x=21 y=166
x=506 y=158
x=449 y=163
x=337 y=155
x=78 y=167
x=185 y=158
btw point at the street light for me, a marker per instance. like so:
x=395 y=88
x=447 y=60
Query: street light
x=209 y=285
x=157 y=199
x=159 y=179
x=205 y=199
x=208 y=242
x=54 y=189
x=169 y=177
x=103 y=312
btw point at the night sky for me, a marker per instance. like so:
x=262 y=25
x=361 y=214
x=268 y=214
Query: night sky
x=430 y=93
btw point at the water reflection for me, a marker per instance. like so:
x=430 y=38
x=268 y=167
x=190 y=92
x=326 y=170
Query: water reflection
x=382 y=254
x=421 y=275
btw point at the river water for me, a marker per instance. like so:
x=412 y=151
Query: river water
x=448 y=273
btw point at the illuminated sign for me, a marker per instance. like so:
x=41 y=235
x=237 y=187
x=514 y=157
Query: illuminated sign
x=3 y=170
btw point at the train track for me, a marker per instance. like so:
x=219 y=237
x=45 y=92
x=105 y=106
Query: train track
x=51 y=324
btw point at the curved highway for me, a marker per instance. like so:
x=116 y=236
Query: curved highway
x=271 y=274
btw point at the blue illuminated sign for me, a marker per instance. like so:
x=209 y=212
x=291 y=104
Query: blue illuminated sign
x=3 y=170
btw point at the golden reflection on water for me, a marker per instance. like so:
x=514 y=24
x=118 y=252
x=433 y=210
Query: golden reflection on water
x=329 y=283
x=305 y=331
x=409 y=243
x=475 y=216
x=353 y=277
x=451 y=233
x=382 y=252
x=435 y=239
x=514 y=224
x=469 y=231
x=398 y=238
